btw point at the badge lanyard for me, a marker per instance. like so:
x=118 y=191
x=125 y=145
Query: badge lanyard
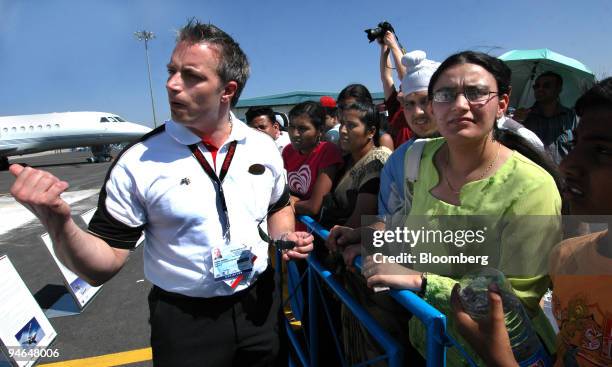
x=218 y=181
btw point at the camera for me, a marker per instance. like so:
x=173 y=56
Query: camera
x=379 y=31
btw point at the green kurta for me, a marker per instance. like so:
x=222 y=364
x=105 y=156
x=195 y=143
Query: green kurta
x=520 y=190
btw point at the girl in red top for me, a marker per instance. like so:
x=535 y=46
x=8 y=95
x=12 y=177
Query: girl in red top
x=311 y=164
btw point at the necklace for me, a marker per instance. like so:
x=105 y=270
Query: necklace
x=484 y=173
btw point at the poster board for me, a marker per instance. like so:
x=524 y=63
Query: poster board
x=79 y=289
x=25 y=331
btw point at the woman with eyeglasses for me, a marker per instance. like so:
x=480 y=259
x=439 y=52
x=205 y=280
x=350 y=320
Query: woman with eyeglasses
x=475 y=170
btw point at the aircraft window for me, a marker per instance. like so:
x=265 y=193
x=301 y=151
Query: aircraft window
x=57 y=126
x=119 y=119
x=103 y=119
x=14 y=129
x=112 y=119
x=22 y=128
x=31 y=127
x=5 y=130
x=39 y=127
x=48 y=126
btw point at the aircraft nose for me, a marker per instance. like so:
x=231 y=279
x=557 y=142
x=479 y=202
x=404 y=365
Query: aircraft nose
x=140 y=129
x=144 y=129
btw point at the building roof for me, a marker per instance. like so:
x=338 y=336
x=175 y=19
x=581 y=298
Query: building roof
x=292 y=98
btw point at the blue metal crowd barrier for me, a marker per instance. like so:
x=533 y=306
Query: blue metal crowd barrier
x=393 y=351
x=434 y=320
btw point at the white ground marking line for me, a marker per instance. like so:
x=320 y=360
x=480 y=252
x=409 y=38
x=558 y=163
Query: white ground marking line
x=15 y=215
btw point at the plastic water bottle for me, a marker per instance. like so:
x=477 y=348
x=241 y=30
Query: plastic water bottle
x=527 y=348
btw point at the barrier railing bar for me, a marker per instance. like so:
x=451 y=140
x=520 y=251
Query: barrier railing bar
x=436 y=349
x=371 y=361
x=295 y=298
x=314 y=226
x=389 y=344
x=312 y=319
x=331 y=325
x=295 y=343
x=434 y=320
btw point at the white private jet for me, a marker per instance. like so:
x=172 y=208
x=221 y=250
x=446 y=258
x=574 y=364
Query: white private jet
x=25 y=134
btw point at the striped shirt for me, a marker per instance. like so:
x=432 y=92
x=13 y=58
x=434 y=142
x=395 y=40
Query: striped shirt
x=556 y=132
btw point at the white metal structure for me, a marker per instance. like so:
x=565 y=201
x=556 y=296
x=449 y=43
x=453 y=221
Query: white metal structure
x=24 y=134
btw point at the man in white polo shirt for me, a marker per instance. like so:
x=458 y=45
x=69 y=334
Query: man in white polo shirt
x=199 y=186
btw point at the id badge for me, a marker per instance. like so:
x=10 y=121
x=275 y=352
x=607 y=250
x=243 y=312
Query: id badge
x=231 y=261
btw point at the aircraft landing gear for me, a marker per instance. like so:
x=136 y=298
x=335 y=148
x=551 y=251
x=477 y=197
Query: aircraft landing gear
x=100 y=153
x=4 y=163
x=100 y=159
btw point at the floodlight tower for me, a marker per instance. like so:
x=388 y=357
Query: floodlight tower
x=146 y=36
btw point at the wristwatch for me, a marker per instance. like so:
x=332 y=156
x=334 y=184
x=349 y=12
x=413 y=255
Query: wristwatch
x=423 y=285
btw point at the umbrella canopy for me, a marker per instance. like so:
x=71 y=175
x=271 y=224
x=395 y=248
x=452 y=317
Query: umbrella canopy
x=526 y=65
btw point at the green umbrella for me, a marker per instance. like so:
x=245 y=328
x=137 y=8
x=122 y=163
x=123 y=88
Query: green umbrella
x=526 y=65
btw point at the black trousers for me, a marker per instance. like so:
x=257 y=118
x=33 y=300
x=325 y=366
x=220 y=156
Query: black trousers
x=237 y=330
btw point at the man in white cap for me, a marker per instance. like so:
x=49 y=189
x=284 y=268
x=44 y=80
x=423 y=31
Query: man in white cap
x=413 y=98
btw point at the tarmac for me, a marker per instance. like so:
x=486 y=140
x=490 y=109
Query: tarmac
x=116 y=320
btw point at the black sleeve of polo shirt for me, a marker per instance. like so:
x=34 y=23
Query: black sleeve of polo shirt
x=106 y=227
x=282 y=202
x=103 y=224
x=113 y=232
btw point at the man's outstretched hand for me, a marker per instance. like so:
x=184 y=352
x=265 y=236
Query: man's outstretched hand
x=40 y=191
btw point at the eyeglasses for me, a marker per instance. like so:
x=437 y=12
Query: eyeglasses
x=472 y=94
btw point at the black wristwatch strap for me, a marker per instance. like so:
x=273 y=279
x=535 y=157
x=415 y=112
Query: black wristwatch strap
x=423 y=285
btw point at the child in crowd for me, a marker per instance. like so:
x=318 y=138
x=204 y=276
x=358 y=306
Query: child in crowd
x=311 y=164
x=581 y=267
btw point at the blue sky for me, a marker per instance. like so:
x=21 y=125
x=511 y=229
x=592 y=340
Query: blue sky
x=75 y=55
